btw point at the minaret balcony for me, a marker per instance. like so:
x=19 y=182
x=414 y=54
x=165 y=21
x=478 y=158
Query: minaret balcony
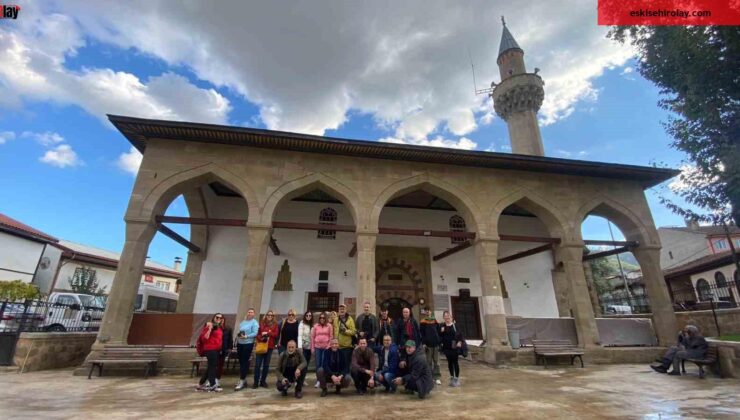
x=518 y=93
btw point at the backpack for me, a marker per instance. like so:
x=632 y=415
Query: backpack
x=200 y=344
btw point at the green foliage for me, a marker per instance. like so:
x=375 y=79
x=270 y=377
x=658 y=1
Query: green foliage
x=18 y=290
x=696 y=69
x=85 y=280
x=607 y=267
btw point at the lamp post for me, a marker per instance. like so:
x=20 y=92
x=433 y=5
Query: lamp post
x=714 y=314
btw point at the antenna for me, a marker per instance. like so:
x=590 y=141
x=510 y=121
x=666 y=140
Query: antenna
x=477 y=91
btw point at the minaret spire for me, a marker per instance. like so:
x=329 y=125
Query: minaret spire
x=518 y=97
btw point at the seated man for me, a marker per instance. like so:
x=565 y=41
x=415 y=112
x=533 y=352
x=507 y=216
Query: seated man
x=664 y=362
x=420 y=378
x=388 y=361
x=291 y=370
x=696 y=348
x=363 y=367
x=332 y=368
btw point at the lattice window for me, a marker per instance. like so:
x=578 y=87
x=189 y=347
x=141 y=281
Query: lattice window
x=319 y=302
x=457 y=224
x=328 y=216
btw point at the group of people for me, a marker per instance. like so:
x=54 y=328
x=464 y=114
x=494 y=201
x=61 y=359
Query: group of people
x=690 y=345
x=370 y=351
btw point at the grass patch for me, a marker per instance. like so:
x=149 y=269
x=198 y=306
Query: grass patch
x=730 y=337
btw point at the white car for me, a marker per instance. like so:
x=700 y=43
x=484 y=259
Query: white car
x=618 y=309
x=73 y=312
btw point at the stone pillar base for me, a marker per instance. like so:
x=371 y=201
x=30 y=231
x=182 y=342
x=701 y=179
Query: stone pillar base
x=498 y=355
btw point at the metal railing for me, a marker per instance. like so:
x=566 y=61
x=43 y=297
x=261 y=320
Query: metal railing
x=706 y=295
x=42 y=315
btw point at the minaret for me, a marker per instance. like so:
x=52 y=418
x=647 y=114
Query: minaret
x=518 y=97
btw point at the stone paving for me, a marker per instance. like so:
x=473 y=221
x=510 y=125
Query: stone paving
x=598 y=391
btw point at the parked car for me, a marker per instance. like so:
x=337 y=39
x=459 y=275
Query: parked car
x=73 y=311
x=19 y=316
x=618 y=309
x=154 y=299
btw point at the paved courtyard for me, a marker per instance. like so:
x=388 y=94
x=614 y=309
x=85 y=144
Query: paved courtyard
x=595 y=392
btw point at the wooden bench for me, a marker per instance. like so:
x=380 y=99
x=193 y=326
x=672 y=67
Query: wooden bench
x=229 y=364
x=709 y=359
x=112 y=354
x=553 y=348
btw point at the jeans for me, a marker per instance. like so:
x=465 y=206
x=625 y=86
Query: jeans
x=210 y=373
x=360 y=378
x=319 y=359
x=262 y=367
x=388 y=378
x=289 y=374
x=325 y=379
x=347 y=356
x=244 y=352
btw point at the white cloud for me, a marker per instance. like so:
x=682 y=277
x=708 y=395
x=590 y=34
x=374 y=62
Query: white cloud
x=48 y=138
x=461 y=143
x=6 y=136
x=62 y=156
x=627 y=70
x=130 y=161
x=690 y=178
x=307 y=64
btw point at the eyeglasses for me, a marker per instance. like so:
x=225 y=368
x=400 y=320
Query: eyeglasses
x=291 y=314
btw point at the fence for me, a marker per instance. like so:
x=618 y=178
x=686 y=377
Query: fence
x=706 y=295
x=639 y=304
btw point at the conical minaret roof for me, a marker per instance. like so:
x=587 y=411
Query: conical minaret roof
x=507 y=41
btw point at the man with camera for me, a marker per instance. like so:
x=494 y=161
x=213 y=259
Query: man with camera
x=344 y=330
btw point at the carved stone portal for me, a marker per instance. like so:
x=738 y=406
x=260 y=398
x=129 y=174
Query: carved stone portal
x=283 y=283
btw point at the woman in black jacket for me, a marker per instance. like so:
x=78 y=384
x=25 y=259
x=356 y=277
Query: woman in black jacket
x=451 y=345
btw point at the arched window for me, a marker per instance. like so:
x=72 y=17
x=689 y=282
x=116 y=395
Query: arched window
x=328 y=216
x=723 y=293
x=457 y=224
x=702 y=287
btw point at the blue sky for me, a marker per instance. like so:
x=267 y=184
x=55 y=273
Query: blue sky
x=67 y=172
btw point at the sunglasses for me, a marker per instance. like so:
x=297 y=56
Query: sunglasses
x=218 y=317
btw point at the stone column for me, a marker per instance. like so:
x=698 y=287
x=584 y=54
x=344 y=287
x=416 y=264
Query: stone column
x=571 y=255
x=190 y=281
x=366 y=269
x=254 y=269
x=120 y=307
x=494 y=313
x=664 y=319
x=560 y=286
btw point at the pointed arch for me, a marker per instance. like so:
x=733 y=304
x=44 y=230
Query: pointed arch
x=631 y=225
x=553 y=219
x=462 y=202
x=304 y=184
x=158 y=198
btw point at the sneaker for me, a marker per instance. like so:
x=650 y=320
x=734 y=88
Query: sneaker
x=215 y=388
x=438 y=382
x=239 y=386
x=659 y=369
x=317 y=384
x=452 y=381
x=218 y=382
x=201 y=387
x=324 y=392
x=456 y=383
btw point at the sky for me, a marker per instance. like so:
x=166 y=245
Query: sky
x=384 y=71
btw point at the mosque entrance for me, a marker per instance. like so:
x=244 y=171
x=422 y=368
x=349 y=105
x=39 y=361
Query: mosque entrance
x=403 y=277
x=395 y=307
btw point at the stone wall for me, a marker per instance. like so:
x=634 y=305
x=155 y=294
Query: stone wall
x=728 y=319
x=48 y=350
x=729 y=358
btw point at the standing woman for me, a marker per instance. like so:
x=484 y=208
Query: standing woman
x=267 y=333
x=288 y=331
x=321 y=336
x=451 y=345
x=211 y=341
x=244 y=345
x=304 y=335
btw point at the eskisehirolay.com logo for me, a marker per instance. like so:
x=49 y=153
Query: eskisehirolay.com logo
x=9 y=11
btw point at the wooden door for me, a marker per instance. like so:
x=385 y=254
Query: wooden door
x=466 y=313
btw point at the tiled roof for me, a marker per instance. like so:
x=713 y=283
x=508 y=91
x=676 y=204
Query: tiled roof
x=13 y=226
x=101 y=256
x=704 y=263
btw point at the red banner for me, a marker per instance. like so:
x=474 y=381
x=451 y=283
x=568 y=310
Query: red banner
x=669 y=12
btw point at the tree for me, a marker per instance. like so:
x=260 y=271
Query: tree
x=696 y=69
x=85 y=280
x=18 y=290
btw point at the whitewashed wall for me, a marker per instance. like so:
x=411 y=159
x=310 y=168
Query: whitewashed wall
x=19 y=255
x=103 y=274
x=528 y=280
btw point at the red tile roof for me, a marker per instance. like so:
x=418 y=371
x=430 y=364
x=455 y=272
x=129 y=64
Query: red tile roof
x=13 y=226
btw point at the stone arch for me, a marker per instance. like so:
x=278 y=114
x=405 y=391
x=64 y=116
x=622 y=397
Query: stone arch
x=547 y=212
x=159 y=197
x=627 y=221
x=426 y=182
x=304 y=184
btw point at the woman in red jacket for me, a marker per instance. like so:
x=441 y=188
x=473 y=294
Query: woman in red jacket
x=211 y=342
x=268 y=332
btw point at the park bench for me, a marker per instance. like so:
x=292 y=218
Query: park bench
x=127 y=355
x=229 y=364
x=554 y=348
x=709 y=359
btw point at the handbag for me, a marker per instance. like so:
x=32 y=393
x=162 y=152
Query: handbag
x=463 y=349
x=260 y=347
